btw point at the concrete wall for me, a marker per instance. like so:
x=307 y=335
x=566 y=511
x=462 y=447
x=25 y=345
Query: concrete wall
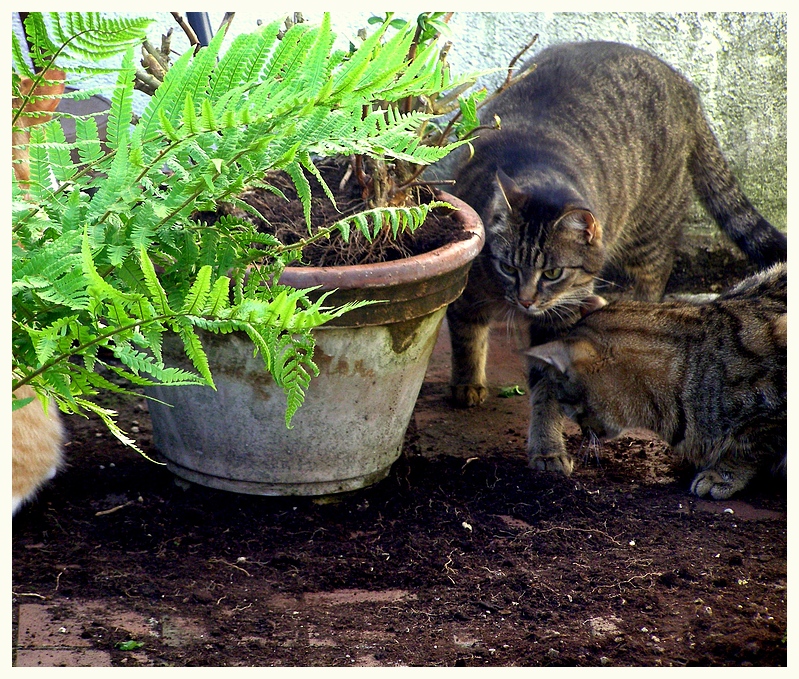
x=738 y=61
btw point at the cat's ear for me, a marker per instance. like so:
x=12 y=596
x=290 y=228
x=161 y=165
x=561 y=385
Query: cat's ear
x=585 y=221
x=513 y=195
x=591 y=304
x=555 y=353
x=562 y=354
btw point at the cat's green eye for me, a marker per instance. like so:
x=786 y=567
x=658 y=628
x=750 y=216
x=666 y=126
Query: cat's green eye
x=553 y=274
x=508 y=269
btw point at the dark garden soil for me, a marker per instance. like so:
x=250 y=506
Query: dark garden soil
x=285 y=219
x=462 y=557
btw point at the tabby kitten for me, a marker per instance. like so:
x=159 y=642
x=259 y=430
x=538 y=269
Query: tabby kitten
x=598 y=156
x=710 y=379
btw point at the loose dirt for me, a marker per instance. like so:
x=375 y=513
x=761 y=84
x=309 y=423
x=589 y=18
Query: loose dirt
x=462 y=557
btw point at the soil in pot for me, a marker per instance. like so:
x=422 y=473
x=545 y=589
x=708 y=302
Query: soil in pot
x=285 y=219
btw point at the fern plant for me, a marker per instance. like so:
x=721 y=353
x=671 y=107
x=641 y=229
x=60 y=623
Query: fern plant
x=108 y=255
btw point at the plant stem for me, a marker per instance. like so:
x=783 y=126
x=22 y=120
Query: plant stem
x=94 y=342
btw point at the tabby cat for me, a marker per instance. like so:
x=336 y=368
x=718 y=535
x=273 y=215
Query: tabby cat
x=710 y=379
x=599 y=153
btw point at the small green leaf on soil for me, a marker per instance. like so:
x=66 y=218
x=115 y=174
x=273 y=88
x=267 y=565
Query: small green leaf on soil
x=508 y=392
x=129 y=645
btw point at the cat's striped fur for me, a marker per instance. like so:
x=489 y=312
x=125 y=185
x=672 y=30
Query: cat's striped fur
x=600 y=152
x=709 y=378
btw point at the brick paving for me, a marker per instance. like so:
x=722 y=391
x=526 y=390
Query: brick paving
x=44 y=640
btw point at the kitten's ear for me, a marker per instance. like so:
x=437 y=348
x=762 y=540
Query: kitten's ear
x=562 y=354
x=591 y=304
x=555 y=353
x=513 y=195
x=585 y=220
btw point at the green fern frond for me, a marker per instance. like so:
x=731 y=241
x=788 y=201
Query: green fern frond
x=18 y=61
x=90 y=36
x=294 y=170
x=107 y=416
x=194 y=350
x=87 y=140
x=121 y=109
x=198 y=294
x=243 y=61
x=293 y=368
x=401 y=219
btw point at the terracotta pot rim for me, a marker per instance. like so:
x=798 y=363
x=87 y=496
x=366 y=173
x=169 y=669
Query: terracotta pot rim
x=427 y=265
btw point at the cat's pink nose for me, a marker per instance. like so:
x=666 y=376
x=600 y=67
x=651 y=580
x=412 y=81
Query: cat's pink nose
x=526 y=303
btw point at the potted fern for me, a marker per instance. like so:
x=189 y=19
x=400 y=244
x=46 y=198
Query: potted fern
x=110 y=257
x=371 y=361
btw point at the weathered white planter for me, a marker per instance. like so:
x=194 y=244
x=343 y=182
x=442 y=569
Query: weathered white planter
x=350 y=429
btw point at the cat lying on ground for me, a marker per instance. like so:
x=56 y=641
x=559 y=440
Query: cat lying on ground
x=710 y=379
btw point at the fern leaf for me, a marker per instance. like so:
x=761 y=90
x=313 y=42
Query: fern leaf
x=87 y=140
x=121 y=110
x=348 y=77
x=18 y=60
x=316 y=72
x=39 y=185
x=107 y=416
x=294 y=170
x=157 y=292
x=207 y=117
x=198 y=294
x=307 y=163
x=243 y=61
x=163 y=103
x=42 y=47
x=58 y=152
x=189 y=116
x=120 y=177
x=285 y=53
x=194 y=350
x=218 y=299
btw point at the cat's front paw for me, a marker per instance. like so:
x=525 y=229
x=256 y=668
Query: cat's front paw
x=560 y=462
x=718 y=484
x=467 y=395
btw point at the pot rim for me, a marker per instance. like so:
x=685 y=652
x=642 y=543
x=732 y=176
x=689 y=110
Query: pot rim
x=427 y=265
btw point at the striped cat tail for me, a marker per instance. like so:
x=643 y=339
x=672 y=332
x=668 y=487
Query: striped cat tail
x=722 y=196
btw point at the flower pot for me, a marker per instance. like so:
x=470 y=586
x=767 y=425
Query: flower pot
x=350 y=429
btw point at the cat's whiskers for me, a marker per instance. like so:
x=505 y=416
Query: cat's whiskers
x=605 y=281
x=593 y=447
x=511 y=323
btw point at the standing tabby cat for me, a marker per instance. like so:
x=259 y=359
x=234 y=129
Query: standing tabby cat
x=710 y=379
x=598 y=156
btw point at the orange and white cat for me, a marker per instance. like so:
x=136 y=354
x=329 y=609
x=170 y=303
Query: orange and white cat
x=37 y=433
x=37 y=443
